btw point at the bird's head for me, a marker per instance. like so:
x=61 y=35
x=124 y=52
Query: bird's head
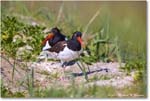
x=51 y=34
x=78 y=36
x=55 y=31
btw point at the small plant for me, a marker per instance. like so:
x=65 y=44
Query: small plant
x=19 y=36
x=6 y=93
x=102 y=49
x=138 y=67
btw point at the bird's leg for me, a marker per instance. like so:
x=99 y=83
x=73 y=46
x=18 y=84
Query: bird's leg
x=83 y=71
x=62 y=64
x=88 y=69
x=63 y=73
x=46 y=59
x=62 y=77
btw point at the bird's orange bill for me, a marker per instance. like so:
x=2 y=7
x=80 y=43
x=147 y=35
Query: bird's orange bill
x=80 y=41
x=50 y=35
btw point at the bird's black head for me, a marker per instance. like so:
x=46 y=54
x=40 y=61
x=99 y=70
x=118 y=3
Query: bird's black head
x=55 y=30
x=51 y=34
x=76 y=34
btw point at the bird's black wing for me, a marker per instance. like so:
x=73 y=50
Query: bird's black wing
x=58 y=47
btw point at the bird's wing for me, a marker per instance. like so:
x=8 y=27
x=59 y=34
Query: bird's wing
x=58 y=47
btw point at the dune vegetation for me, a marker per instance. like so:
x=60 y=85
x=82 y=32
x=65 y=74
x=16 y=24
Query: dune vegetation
x=113 y=32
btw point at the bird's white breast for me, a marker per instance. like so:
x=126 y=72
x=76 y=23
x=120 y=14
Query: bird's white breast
x=47 y=46
x=68 y=55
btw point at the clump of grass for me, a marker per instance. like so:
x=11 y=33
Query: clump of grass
x=102 y=48
x=75 y=91
x=137 y=66
x=138 y=90
x=6 y=93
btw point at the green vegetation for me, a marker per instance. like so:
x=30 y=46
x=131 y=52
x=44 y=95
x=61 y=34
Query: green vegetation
x=75 y=92
x=136 y=65
x=111 y=34
x=16 y=34
x=6 y=93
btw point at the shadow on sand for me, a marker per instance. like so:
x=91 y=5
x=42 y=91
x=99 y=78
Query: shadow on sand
x=89 y=72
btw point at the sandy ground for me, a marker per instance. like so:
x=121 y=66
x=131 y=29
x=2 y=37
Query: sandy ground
x=51 y=73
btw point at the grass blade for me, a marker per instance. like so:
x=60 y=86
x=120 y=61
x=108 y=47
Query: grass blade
x=59 y=13
x=91 y=20
x=83 y=70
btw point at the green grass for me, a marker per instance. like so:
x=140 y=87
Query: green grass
x=111 y=34
x=75 y=92
x=6 y=93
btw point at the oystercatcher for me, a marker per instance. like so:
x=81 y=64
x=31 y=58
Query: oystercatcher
x=51 y=39
x=68 y=50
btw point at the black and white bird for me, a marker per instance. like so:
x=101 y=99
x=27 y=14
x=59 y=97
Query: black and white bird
x=51 y=39
x=68 y=50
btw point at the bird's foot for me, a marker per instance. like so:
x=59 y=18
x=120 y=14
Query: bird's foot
x=64 y=64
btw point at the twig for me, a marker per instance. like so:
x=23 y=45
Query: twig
x=9 y=63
